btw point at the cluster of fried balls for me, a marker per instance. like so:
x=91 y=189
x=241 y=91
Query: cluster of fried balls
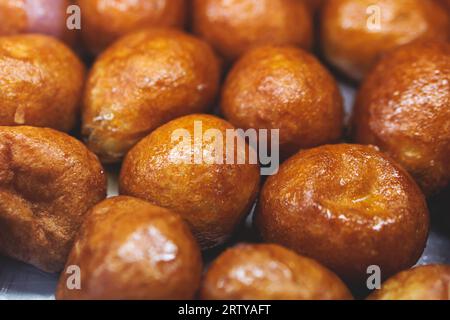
x=339 y=202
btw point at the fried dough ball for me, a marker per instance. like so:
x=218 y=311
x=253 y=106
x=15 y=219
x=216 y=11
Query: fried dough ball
x=41 y=82
x=48 y=180
x=270 y=272
x=422 y=283
x=143 y=81
x=105 y=21
x=288 y=89
x=356 y=33
x=130 y=249
x=347 y=206
x=404 y=108
x=36 y=16
x=174 y=169
x=233 y=27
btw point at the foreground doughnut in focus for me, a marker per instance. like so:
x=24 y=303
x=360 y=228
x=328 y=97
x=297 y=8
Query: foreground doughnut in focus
x=288 y=89
x=212 y=197
x=41 y=82
x=143 y=81
x=130 y=249
x=270 y=272
x=48 y=180
x=348 y=207
x=404 y=108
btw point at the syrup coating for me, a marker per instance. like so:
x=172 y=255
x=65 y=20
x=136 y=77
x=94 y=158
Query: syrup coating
x=404 y=108
x=355 y=34
x=41 y=82
x=143 y=81
x=348 y=207
x=288 y=89
x=48 y=180
x=105 y=21
x=430 y=282
x=212 y=196
x=36 y=16
x=269 y=272
x=129 y=249
x=233 y=27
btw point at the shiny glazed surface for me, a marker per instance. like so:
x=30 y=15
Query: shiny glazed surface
x=355 y=34
x=422 y=283
x=48 y=180
x=36 y=16
x=404 y=108
x=213 y=198
x=41 y=82
x=143 y=81
x=288 y=89
x=269 y=272
x=233 y=27
x=348 y=207
x=130 y=249
x=105 y=21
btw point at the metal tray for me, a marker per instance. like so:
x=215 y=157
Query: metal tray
x=23 y=282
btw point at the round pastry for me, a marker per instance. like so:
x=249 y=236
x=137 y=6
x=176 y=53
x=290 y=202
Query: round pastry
x=270 y=272
x=36 y=16
x=347 y=206
x=233 y=27
x=287 y=89
x=356 y=33
x=404 y=108
x=172 y=168
x=48 y=180
x=130 y=249
x=104 y=21
x=41 y=82
x=143 y=81
x=422 y=283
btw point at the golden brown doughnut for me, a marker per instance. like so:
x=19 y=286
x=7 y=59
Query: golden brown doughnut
x=288 y=89
x=404 y=108
x=233 y=27
x=143 y=81
x=130 y=249
x=347 y=206
x=48 y=180
x=36 y=16
x=422 y=283
x=356 y=33
x=41 y=82
x=269 y=272
x=212 y=197
x=104 y=21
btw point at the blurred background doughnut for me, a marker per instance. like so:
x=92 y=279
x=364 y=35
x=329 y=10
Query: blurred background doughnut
x=36 y=16
x=354 y=34
x=105 y=21
x=233 y=27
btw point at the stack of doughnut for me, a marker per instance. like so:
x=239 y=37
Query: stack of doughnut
x=142 y=77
